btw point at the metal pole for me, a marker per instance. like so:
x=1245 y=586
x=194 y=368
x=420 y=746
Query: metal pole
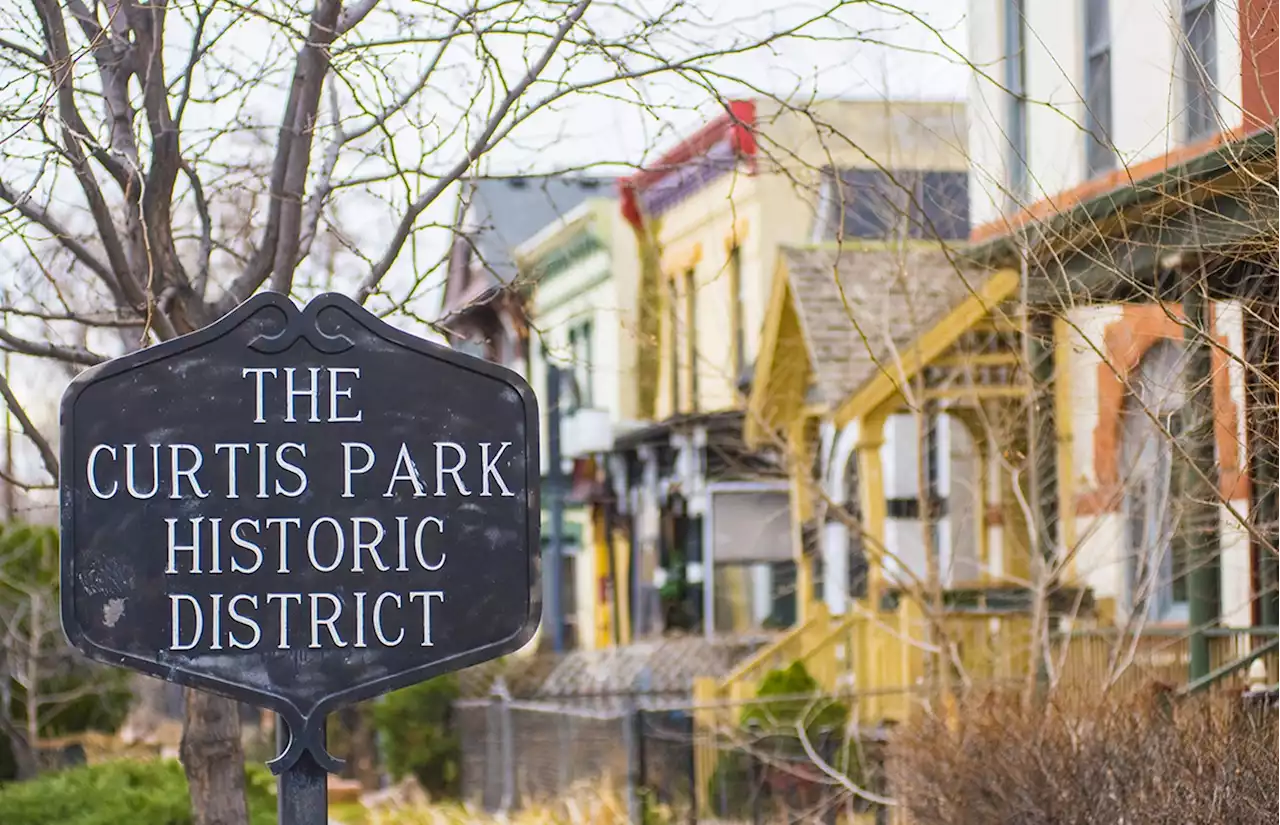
x=635 y=761
x=303 y=789
x=709 y=563
x=1262 y=348
x=508 y=752
x=555 y=494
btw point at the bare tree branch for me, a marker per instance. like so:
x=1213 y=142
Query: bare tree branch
x=288 y=172
x=41 y=217
x=478 y=146
x=352 y=15
x=42 y=444
x=44 y=349
x=88 y=319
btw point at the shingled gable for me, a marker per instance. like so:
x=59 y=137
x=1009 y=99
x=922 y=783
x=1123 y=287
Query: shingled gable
x=863 y=314
x=499 y=215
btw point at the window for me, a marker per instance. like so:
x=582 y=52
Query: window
x=877 y=204
x=691 y=336
x=1015 y=67
x=858 y=566
x=737 y=309
x=1099 y=154
x=874 y=203
x=1199 y=67
x=1157 y=564
x=941 y=207
x=580 y=353
x=673 y=343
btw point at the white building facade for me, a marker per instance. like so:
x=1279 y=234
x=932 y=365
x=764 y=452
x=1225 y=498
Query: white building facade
x=1071 y=100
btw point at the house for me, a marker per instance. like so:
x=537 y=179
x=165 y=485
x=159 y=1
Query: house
x=1105 y=350
x=1141 y=231
x=582 y=270
x=700 y=521
x=1106 y=353
x=482 y=311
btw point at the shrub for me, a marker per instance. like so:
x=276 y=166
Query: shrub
x=139 y=793
x=1081 y=760
x=791 y=685
x=771 y=767
x=29 y=580
x=415 y=726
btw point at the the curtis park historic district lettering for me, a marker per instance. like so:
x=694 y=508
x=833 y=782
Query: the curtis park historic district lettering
x=299 y=509
x=231 y=548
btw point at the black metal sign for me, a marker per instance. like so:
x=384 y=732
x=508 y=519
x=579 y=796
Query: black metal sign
x=299 y=509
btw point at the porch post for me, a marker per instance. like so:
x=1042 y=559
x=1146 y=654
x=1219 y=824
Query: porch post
x=800 y=465
x=1262 y=354
x=1199 y=470
x=1042 y=443
x=871 y=491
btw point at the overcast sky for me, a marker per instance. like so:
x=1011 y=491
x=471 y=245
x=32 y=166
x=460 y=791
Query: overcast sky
x=882 y=54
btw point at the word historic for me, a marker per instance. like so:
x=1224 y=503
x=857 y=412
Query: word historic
x=230 y=548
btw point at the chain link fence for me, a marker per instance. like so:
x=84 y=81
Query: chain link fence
x=517 y=753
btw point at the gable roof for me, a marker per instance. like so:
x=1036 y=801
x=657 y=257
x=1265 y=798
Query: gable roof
x=861 y=320
x=859 y=310
x=500 y=214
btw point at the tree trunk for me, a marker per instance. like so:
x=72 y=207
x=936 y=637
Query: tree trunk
x=25 y=759
x=214 y=760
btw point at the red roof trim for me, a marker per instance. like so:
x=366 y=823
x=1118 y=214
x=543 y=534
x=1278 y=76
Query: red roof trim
x=736 y=124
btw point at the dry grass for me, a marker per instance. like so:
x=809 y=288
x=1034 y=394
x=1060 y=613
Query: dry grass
x=583 y=805
x=1080 y=760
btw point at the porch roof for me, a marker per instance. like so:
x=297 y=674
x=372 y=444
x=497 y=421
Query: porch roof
x=1105 y=239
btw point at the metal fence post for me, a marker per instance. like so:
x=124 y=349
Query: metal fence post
x=506 y=752
x=635 y=759
x=695 y=792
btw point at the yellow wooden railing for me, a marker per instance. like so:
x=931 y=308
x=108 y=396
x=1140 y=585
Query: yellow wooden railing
x=1108 y=657
x=878 y=662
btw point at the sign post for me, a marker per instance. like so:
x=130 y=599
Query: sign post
x=299 y=509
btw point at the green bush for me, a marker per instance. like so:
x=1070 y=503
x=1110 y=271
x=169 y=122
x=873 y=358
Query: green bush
x=415 y=726
x=785 y=697
x=798 y=698
x=29 y=578
x=125 y=791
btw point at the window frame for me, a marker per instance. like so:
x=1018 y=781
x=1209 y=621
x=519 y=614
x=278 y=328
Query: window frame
x=1154 y=549
x=1200 y=75
x=1100 y=154
x=1015 y=76
x=691 y=334
x=581 y=352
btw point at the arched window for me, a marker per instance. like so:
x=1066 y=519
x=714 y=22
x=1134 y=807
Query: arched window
x=1156 y=562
